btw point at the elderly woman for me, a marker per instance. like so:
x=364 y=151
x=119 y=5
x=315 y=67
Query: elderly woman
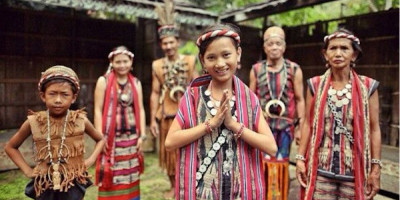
x=340 y=148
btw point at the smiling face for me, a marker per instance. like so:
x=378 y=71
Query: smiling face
x=170 y=45
x=221 y=58
x=339 y=53
x=58 y=97
x=121 y=64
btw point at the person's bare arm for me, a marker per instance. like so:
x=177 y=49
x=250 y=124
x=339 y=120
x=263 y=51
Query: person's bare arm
x=154 y=101
x=373 y=182
x=97 y=136
x=252 y=81
x=300 y=104
x=99 y=94
x=15 y=155
x=142 y=115
x=304 y=140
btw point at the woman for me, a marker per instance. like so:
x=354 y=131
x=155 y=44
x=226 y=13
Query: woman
x=219 y=128
x=120 y=115
x=341 y=139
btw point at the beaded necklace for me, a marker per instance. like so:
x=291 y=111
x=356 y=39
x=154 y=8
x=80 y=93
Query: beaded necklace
x=56 y=178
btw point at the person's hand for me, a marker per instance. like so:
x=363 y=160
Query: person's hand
x=217 y=120
x=228 y=121
x=139 y=145
x=301 y=173
x=373 y=182
x=297 y=134
x=154 y=128
x=105 y=147
x=32 y=173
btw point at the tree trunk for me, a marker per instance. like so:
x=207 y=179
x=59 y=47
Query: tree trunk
x=388 y=4
x=372 y=6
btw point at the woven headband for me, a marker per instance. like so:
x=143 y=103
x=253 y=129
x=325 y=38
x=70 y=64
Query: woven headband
x=342 y=35
x=217 y=33
x=119 y=51
x=59 y=72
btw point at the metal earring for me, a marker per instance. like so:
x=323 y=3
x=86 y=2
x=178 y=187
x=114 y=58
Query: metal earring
x=327 y=65
x=353 y=64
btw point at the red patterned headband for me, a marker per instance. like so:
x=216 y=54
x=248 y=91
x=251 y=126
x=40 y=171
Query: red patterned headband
x=342 y=35
x=59 y=72
x=216 y=33
x=119 y=51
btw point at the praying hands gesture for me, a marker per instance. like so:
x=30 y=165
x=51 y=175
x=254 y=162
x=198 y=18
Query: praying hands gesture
x=223 y=113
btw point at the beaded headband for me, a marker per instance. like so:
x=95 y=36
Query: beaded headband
x=168 y=30
x=216 y=33
x=59 y=72
x=342 y=35
x=119 y=51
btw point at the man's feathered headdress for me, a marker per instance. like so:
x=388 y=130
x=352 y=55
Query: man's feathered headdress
x=166 y=19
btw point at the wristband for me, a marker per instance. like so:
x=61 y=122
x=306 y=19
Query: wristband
x=376 y=161
x=240 y=132
x=300 y=157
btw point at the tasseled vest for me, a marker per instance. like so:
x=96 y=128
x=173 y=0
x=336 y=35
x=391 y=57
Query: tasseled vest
x=74 y=167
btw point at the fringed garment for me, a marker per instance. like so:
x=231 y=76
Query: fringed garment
x=170 y=75
x=117 y=172
x=244 y=179
x=73 y=170
x=358 y=163
x=269 y=85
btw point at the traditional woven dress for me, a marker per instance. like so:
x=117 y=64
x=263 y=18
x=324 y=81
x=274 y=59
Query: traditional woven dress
x=339 y=148
x=117 y=172
x=74 y=177
x=269 y=86
x=216 y=166
x=171 y=76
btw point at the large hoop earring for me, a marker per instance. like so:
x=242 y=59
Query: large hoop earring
x=352 y=64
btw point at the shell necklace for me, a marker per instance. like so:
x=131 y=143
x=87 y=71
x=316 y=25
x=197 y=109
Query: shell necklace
x=275 y=102
x=56 y=176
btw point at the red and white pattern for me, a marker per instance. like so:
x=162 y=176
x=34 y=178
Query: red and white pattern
x=342 y=35
x=221 y=32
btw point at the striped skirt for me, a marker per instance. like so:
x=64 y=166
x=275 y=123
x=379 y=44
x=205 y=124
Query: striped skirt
x=125 y=171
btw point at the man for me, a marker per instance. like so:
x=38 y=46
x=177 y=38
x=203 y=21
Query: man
x=278 y=84
x=171 y=74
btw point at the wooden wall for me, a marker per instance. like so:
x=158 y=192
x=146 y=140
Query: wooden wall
x=32 y=41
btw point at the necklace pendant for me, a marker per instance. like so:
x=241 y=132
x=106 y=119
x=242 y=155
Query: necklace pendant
x=331 y=91
x=348 y=95
x=339 y=93
x=124 y=97
x=213 y=111
x=345 y=90
x=56 y=177
x=348 y=86
x=207 y=92
x=338 y=103
x=210 y=104
x=345 y=101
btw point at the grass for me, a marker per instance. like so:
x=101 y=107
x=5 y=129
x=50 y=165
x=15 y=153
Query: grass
x=153 y=182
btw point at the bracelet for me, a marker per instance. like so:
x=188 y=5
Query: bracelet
x=240 y=132
x=208 y=126
x=376 y=161
x=300 y=157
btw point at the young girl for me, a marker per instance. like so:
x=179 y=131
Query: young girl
x=119 y=114
x=60 y=171
x=219 y=127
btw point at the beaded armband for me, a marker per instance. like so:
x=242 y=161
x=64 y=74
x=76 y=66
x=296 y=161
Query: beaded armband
x=240 y=132
x=376 y=161
x=300 y=157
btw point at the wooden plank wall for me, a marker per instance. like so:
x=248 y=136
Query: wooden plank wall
x=32 y=41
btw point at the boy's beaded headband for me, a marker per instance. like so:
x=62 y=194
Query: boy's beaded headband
x=119 y=51
x=168 y=30
x=59 y=72
x=342 y=35
x=220 y=32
